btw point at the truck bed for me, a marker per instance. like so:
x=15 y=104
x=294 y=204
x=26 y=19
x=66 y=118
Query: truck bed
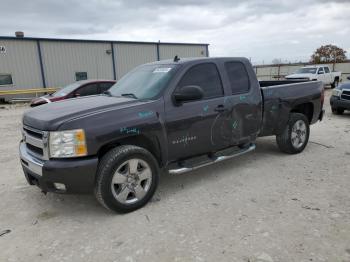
x=281 y=96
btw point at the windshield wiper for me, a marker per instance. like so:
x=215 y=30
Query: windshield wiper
x=130 y=95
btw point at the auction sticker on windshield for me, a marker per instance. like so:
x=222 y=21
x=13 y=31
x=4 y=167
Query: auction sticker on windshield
x=162 y=70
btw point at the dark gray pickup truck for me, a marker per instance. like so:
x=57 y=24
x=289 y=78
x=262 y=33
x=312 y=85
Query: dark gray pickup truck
x=340 y=99
x=173 y=116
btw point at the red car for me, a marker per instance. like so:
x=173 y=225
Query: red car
x=80 y=88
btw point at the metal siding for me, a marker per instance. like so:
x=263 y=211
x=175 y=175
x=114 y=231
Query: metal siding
x=128 y=56
x=169 y=51
x=22 y=62
x=62 y=59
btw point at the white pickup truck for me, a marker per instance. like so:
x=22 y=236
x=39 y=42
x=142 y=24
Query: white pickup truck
x=317 y=72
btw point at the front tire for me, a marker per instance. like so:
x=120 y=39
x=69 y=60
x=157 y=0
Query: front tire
x=127 y=178
x=296 y=134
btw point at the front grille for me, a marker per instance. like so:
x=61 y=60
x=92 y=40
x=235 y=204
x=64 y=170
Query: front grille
x=345 y=94
x=37 y=134
x=36 y=150
x=36 y=142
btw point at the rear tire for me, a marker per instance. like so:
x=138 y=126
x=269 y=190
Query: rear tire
x=296 y=134
x=127 y=178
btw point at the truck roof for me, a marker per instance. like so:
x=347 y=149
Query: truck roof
x=192 y=59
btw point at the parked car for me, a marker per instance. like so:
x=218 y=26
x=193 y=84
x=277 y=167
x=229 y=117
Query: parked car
x=169 y=115
x=318 y=73
x=79 y=88
x=340 y=99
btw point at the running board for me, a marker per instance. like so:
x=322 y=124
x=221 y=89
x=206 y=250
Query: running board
x=215 y=159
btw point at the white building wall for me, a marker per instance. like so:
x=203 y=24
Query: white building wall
x=129 y=55
x=21 y=61
x=169 y=51
x=62 y=60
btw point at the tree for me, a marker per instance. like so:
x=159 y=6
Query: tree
x=328 y=54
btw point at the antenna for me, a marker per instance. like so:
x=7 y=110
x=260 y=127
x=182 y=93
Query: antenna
x=176 y=58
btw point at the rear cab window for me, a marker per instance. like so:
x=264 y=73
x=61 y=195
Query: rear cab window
x=207 y=77
x=238 y=77
x=326 y=69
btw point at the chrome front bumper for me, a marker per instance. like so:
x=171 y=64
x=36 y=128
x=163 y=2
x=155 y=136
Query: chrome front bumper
x=29 y=162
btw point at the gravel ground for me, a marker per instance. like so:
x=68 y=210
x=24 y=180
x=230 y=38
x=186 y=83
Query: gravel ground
x=263 y=206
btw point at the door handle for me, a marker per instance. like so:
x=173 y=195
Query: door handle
x=220 y=108
x=249 y=116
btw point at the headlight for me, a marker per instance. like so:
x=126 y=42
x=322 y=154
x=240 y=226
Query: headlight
x=336 y=92
x=70 y=143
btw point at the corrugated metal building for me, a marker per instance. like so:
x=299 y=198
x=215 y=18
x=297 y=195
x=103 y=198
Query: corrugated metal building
x=46 y=62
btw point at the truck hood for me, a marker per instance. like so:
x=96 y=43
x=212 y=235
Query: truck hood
x=344 y=86
x=309 y=76
x=50 y=116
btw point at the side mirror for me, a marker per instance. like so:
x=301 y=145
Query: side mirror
x=320 y=72
x=188 y=93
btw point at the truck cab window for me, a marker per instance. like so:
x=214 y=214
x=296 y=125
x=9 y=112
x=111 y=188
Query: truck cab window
x=320 y=71
x=326 y=69
x=205 y=76
x=238 y=77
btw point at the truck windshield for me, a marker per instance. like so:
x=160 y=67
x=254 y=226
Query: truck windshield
x=144 y=82
x=306 y=70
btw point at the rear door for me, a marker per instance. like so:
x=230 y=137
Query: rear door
x=190 y=126
x=243 y=104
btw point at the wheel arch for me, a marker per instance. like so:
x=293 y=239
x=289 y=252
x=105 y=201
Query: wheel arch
x=149 y=143
x=305 y=108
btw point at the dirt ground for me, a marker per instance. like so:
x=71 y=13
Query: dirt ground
x=263 y=206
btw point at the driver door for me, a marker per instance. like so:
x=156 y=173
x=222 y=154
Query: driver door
x=189 y=125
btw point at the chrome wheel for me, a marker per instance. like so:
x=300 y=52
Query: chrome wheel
x=298 y=134
x=131 y=181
